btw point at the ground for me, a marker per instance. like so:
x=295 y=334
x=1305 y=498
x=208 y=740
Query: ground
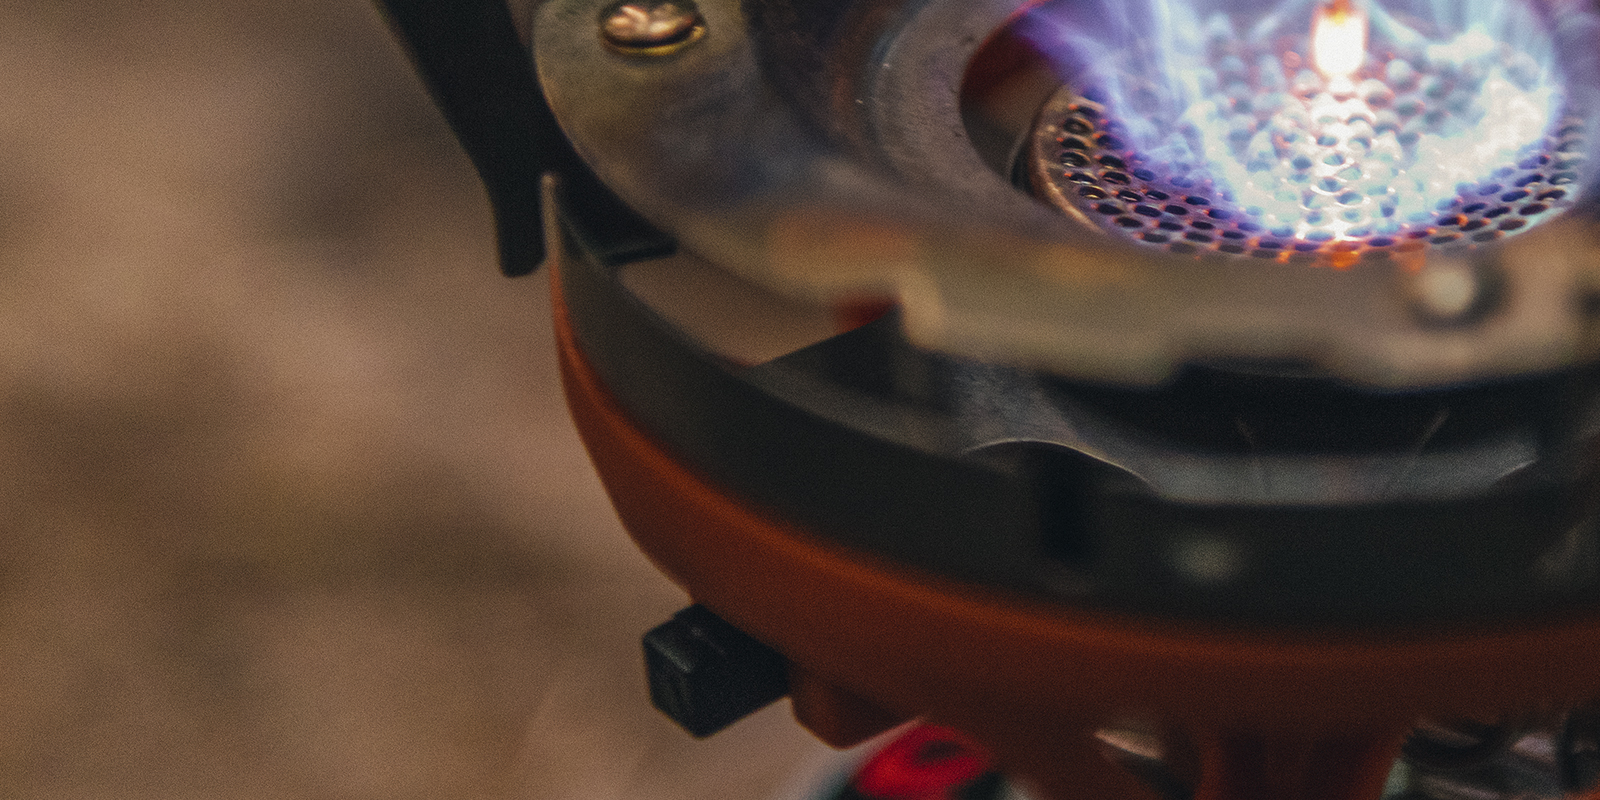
x=289 y=503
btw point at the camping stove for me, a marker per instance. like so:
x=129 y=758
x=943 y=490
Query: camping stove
x=1225 y=423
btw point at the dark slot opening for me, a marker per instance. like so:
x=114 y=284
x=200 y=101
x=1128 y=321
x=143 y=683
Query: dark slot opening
x=1064 y=484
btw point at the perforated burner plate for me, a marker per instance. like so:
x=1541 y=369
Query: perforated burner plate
x=1080 y=160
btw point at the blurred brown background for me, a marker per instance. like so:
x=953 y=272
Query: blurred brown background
x=289 y=504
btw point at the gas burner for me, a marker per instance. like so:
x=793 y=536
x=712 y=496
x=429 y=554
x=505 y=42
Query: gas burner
x=1081 y=163
x=1300 y=140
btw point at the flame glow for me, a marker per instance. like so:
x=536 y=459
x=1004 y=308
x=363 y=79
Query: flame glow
x=1320 y=121
x=1339 y=41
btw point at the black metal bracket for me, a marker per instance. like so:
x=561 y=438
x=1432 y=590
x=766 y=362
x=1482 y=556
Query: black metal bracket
x=478 y=72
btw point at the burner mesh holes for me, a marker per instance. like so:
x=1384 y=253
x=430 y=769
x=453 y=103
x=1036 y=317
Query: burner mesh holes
x=1085 y=165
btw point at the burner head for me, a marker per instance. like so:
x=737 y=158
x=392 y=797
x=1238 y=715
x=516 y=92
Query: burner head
x=1080 y=160
x=1220 y=135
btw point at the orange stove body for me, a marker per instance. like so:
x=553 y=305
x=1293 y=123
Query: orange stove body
x=1283 y=716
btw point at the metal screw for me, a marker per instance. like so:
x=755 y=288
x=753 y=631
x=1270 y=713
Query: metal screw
x=651 y=27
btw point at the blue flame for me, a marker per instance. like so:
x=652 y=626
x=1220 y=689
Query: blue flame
x=1451 y=92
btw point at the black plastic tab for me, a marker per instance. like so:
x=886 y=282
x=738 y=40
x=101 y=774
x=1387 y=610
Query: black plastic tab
x=706 y=674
